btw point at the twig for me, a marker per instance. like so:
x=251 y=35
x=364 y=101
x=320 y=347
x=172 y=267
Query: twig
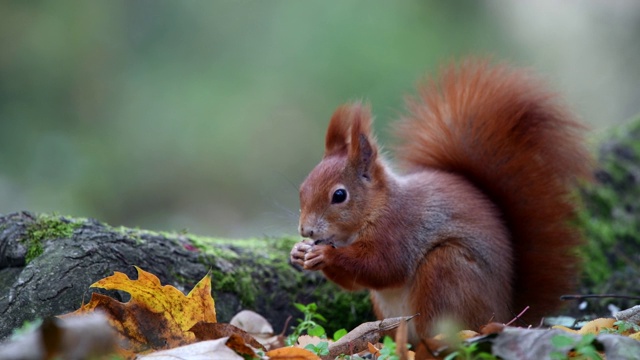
x=580 y=297
x=284 y=328
x=517 y=316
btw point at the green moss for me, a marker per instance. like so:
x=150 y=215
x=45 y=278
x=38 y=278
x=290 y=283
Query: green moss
x=611 y=217
x=47 y=227
x=239 y=282
x=343 y=309
x=132 y=233
x=34 y=250
x=211 y=247
x=240 y=278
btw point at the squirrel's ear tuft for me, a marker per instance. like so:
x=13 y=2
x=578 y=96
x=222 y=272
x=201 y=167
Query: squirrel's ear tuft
x=362 y=148
x=337 y=138
x=349 y=134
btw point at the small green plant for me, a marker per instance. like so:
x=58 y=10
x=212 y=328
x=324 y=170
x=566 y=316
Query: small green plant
x=321 y=349
x=339 y=334
x=624 y=326
x=388 y=351
x=470 y=351
x=584 y=347
x=308 y=324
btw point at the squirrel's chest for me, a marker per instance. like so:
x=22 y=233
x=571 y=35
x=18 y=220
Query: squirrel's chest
x=394 y=303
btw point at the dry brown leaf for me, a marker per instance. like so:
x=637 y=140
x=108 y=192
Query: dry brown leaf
x=467 y=334
x=156 y=317
x=237 y=344
x=258 y=327
x=517 y=343
x=252 y=322
x=210 y=331
x=373 y=350
x=304 y=340
x=491 y=328
x=291 y=353
x=203 y=350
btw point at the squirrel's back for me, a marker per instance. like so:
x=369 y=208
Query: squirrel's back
x=501 y=130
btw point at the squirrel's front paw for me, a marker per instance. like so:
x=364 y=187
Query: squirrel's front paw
x=300 y=250
x=314 y=258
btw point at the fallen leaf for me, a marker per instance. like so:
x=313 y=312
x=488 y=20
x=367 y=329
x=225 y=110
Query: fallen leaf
x=211 y=331
x=258 y=327
x=618 y=346
x=491 y=328
x=203 y=350
x=513 y=343
x=237 y=344
x=524 y=344
x=252 y=322
x=467 y=334
x=373 y=350
x=596 y=326
x=304 y=340
x=564 y=328
x=291 y=353
x=157 y=317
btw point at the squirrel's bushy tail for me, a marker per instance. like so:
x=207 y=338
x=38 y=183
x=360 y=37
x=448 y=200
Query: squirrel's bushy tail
x=499 y=128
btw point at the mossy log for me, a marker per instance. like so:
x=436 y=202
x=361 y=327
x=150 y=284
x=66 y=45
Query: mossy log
x=611 y=219
x=47 y=264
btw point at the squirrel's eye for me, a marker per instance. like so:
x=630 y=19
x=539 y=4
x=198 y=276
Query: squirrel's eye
x=339 y=196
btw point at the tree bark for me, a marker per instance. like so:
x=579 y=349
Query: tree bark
x=47 y=264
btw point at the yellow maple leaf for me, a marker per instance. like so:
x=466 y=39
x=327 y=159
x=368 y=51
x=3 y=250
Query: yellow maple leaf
x=157 y=317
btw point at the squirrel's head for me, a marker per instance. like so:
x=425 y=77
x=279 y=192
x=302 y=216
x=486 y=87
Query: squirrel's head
x=340 y=195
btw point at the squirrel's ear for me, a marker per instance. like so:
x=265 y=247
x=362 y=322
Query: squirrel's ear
x=338 y=135
x=363 y=150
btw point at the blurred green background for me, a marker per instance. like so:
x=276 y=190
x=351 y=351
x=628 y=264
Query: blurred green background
x=206 y=115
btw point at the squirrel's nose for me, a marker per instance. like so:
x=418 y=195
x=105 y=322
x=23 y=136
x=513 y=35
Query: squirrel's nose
x=306 y=232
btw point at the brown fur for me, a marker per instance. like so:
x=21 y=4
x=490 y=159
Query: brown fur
x=478 y=227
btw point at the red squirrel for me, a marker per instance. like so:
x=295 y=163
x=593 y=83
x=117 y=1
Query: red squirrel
x=477 y=227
